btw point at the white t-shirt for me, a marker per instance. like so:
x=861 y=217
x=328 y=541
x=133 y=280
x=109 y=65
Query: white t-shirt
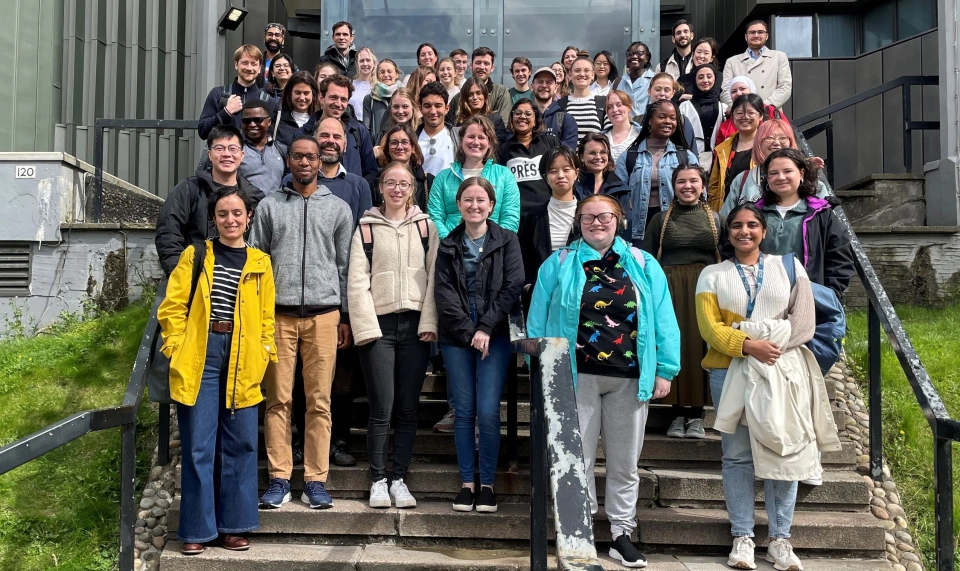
x=437 y=151
x=300 y=118
x=782 y=210
x=561 y=221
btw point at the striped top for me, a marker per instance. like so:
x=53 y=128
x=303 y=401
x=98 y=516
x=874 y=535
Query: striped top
x=227 y=268
x=722 y=303
x=584 y=110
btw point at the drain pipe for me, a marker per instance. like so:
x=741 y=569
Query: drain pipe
x=942 y=177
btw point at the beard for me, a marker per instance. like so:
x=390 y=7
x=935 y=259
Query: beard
x=330 y=154
x=273 y=46
x=305 y=181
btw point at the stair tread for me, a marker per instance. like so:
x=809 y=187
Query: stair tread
x=377 y=557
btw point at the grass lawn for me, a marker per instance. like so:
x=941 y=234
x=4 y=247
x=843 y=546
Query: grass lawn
x=61 y=511
x=907 y=439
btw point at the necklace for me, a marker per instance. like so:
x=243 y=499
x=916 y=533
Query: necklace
x=483 y=242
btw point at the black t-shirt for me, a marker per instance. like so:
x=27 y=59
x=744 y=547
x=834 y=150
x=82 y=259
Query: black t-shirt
x=227 y=268
x=606 y=337
x=738 y=164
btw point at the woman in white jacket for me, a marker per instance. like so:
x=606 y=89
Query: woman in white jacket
x=394 y=319
x=737 y=301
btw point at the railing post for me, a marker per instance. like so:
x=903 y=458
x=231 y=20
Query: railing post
x=907 y=134
x=98 y=171
x=830 y=154
x=128 y=507
x=538 y=472
x=163 y=438
x=943 y=488
x=513 y=378
x=876 y=408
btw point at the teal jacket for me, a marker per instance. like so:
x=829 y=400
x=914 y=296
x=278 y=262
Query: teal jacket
x=442 y=204
x=555 y=309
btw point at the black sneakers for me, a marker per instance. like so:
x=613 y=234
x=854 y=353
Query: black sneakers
x=624 y=552
x=486 y=500
x=464 y=501
x=340 y=454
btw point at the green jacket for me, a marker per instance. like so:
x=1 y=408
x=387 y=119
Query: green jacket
x=442 y=204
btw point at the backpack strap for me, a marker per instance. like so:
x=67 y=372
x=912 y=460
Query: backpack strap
x=743 y=183
x=633 y=152
x=788 y=265
x=366 y=236
x=424 y=231
x=199 y=253
x=559 y=115
x=601 y=102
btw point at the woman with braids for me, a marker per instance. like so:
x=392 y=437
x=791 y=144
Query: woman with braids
x=647 y=165
x=685 y=239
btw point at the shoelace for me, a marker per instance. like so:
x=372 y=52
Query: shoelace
x=380 y=487
x=784 y=550
x=276 y=486
x=743 y=547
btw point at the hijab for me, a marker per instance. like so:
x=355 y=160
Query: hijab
x=742 y=79
x=701 y=97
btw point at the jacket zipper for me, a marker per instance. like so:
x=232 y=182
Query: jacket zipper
x=303 y=260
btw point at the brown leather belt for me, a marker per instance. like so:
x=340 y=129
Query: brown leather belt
x=221 y=326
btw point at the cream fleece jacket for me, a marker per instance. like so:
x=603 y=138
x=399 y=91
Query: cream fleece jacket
x=399 y=278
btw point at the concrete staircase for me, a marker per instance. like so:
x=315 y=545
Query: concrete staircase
x=680 y=511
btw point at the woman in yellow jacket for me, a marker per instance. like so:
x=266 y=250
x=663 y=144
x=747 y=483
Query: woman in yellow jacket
x=219 y=340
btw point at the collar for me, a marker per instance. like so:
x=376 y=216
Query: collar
x=756 y=55
x=248 y=143
x=798 y=207
x=341 y=173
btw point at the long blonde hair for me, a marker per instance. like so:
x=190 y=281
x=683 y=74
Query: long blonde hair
x=372 y=78
x=413 y=183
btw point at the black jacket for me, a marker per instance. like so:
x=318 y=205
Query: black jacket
x=420 y=194
x=332 y=56
x=612 y=186
x=535 y=240
x=183 y=219
x=499 y=281
x=214 y=113
x=287 y=128
x=524 y=163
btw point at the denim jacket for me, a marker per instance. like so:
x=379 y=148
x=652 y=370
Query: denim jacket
x=639 y=182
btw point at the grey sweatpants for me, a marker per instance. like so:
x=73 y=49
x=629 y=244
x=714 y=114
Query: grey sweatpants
x=609 y=406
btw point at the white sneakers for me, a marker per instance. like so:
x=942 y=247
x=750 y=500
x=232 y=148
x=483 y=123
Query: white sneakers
x=398 y=494
x=781 y=554
x=379 y=497
x=741 y=556
x=402 y=498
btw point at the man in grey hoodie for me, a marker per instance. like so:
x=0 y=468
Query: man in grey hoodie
x=307 y=232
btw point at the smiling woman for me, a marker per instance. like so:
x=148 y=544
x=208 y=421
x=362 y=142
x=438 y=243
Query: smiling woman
x=522 y=153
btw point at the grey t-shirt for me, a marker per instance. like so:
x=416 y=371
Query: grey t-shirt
x=471 y=254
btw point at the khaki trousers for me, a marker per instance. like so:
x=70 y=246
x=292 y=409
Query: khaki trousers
x=316 y=339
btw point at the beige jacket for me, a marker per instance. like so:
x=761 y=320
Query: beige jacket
x=399 y=278
x=770 y=72
x=785 y=406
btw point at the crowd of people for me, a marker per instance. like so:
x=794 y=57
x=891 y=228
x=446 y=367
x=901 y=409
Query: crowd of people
x=352 y=227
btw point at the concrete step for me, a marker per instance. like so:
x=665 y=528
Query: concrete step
x=840 y=491
x=285 y=557
x=664 y=527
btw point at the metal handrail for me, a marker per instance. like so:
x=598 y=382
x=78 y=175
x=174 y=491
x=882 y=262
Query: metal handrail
x=29 y=448
x=946 y=430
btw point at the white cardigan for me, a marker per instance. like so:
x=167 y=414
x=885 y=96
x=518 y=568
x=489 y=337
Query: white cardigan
x=785 y=406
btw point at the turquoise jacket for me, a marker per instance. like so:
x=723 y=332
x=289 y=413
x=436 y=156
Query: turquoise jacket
x=555 y=309
x=442 y=204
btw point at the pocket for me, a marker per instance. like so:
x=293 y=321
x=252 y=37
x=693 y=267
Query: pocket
x=383 y=288
x=416 y=284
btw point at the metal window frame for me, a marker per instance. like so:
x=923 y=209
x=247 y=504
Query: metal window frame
x=22 y=292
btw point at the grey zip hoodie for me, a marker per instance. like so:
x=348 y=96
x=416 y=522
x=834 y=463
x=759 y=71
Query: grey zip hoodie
x=308 y=240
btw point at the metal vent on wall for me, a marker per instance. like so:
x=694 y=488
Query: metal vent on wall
x=14 y=269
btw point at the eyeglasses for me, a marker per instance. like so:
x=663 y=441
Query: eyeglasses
x=601 y=64
x=528 y=114
x=280 y=66
x=604 y=218
x=311 y=157
x=784 y=141
x=233 y=149
x=249 y=120
x=757 y=33
x=748 y=115
x=397 y=144
x=392 y=185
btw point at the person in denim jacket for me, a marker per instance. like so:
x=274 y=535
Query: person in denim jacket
x=652 y=159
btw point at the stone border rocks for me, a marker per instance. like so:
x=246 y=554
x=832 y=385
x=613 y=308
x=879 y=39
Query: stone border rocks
x=885 y=499
x=150 y=532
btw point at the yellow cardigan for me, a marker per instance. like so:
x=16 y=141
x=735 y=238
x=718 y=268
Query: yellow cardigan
x=185 y=336
x=718 y=174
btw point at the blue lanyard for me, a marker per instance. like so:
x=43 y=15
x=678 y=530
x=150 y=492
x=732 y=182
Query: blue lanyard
x=746 y=285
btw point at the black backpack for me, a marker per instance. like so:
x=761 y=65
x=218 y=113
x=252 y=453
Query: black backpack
x=228 y=91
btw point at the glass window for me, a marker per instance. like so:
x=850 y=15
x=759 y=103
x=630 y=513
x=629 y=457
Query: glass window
x=878 y=25
x=837 y=35
x=794 y=35
x=540 y=29
x=915 y=16
x=395 y=29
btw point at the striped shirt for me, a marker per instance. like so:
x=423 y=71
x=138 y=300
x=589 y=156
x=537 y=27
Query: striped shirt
x=584 y=110
x=227 y=268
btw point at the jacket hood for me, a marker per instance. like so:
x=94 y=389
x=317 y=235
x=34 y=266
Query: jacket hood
x=608 y=130
x=289 y=192
x=374 y=216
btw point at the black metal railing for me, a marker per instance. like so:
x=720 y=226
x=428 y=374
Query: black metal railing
x=882 y=314
x=124 y=416
x=904 y=83
x=100 y=125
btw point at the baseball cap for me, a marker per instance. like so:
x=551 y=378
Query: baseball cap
x=552 y=73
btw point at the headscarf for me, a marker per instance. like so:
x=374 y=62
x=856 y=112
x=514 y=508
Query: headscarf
x=384 y=92
x=742 y=79
x=701 y=97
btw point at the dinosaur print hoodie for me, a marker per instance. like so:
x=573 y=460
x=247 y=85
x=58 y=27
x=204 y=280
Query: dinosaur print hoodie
x=607 y=333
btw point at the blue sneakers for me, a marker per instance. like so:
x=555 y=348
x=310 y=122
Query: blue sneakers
x=277 y=494
x=315 y=495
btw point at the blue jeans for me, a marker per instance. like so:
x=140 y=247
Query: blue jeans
x=219 y=456
x=780 y=497
x=477 y=385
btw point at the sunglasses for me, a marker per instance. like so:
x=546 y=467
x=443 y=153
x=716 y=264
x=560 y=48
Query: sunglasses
x=254 y=120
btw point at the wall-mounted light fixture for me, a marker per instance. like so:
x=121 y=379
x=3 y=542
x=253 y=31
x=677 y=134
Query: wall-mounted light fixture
x=230 y=20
